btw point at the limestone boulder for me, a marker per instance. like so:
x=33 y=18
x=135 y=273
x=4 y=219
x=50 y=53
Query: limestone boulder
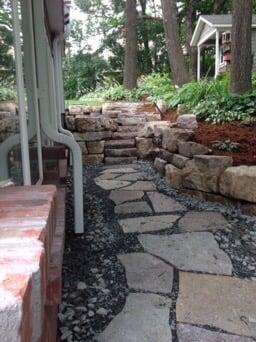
x=96 y=109
x=172 y=137
x=162 y=105
x=203 y=172
x=187 y=121
x=83 y=147
x=108 y=106
x=108 y=124
x=70 y=122
x=95 y=147
x=239 y=183
x=159 y=165
x=93 y=159
x=8 y=107
x=144 y=146
x=134 y=120
x=179 y=161
x=182 y=109
x=94 y=124
x=154 y=128
x=95 y=136
x=75 y=110
x=166 y=155
x=88 y=124
x=173 y=176
x=189 y=149
x=153 y=117
x=86 y=109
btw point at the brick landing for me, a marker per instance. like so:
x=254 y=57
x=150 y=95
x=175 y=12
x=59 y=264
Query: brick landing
x=32 y=230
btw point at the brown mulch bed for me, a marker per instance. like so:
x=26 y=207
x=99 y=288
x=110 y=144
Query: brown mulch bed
x=207 y=134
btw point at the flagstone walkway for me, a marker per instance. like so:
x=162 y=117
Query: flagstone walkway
x=157 y=266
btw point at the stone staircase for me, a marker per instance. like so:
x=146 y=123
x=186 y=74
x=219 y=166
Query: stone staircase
x=107 y=134
x=122 y=147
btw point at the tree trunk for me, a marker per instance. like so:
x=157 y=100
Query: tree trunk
x=241 y=50
x=148 y=61
x=130 y=63
x=218 y=6
x=178 y=65
x=192 y=51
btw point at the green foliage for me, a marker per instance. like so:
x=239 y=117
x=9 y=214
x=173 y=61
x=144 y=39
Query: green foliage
x=227 y=109
x=82 y=74
x=7 y=71
x=193 y=93
x=156 y=86
x=7 y=94
x=227 y=145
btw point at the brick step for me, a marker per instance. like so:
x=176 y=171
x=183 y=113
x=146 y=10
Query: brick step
x=119 y=160
x=124 y=135
x=119 y=143
x=121 y=152
x=127 y=129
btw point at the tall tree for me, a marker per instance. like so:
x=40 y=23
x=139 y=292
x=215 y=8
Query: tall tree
x=180 y=73
x=241 y=49
x=131 y=53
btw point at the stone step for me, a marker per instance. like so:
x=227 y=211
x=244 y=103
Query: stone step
x=120 y=143
x=127 y=129
x=124 y=135
x=119 y=160
x=121 y=152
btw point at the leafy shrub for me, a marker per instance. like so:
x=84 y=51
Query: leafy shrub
x=7 y=94
x=227 y=145
x=156 y=86
x=226 y=109
x=194 y=92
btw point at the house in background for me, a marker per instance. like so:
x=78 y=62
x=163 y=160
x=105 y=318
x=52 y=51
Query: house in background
x=215 y=31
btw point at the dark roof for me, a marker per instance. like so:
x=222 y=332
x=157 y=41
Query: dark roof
x=223 y=19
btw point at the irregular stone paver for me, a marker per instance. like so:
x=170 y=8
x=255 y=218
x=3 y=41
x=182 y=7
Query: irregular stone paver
x=108 y=176
x=111 y=184
x=142 y=185
x=148 y=224
x=121 y=170
x=132 y=176
x=189 y=252
x=144 y=318
x=121 y=196
x=202 y=220
x=146 y=272
x=162 y=203
x=218 y=301
x=133 y=208
x=190 y=333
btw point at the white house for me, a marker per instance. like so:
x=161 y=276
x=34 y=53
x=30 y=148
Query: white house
x=215 y=31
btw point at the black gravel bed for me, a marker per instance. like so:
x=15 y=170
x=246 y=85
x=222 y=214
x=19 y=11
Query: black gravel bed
x=94 y=281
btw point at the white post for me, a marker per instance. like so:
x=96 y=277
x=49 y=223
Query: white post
x=217 y=53
x=198 y=63
x=21 y=95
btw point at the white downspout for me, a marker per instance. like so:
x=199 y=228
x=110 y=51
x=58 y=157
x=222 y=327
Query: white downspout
x=46 y=110
x=21 y=95
x=59 y=84
x=198 y=63
x=31 y=79
x=217 y=53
